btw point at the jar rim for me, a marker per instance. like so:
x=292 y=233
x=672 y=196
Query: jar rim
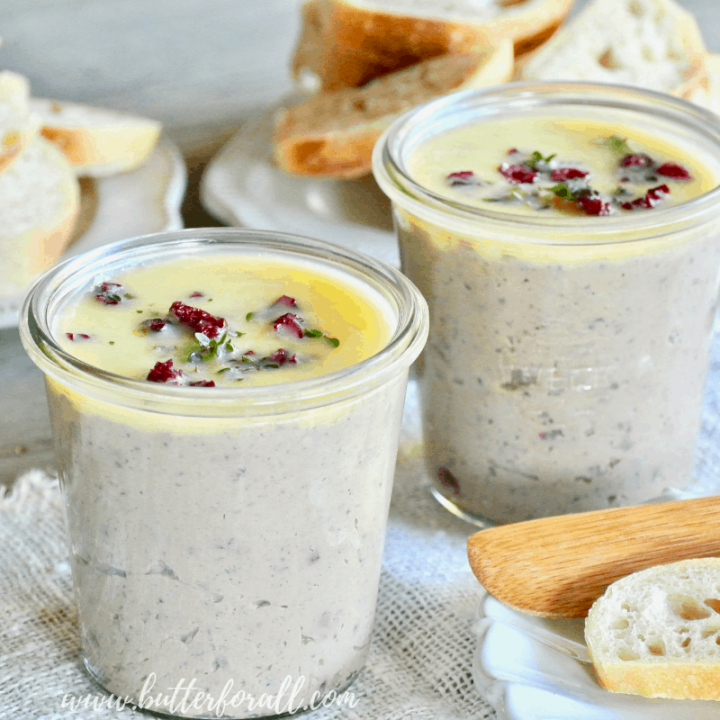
x=406 y=342
x=394 y=179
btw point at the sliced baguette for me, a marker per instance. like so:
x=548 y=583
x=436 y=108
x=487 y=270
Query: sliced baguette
x=656 y=632
x=97 y=142
x=364 y=39
x=39 y=202
x=307 y=57
x=653 y=44
x=18 y=126
x=333 y=134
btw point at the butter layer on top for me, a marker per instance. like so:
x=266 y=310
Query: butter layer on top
x=231 y=287
x=576 y=141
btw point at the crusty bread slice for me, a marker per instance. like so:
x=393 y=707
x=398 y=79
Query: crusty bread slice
x=365 y=39
x=307 y=57
x=97 y=142
x=18 y=126
x=333 y=134
x=657 y=632
x=39 y=202
x=653 y=44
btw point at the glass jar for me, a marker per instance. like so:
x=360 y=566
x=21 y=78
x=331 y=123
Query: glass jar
x=567 y=355
x=225 y=540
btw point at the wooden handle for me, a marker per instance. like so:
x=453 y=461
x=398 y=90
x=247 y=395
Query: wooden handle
x=558 y=566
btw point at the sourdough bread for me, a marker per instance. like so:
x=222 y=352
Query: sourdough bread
x=364 y=39
x=333 y=134
x=97 y=142
x=656 y=632
x=654 y=44
x=39 y=202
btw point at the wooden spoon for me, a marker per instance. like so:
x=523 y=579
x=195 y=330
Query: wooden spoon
x=558 y=566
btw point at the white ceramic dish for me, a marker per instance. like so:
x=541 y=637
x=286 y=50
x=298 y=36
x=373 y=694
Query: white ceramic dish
x=143 y=201
x=532 y=668
x=242 y=186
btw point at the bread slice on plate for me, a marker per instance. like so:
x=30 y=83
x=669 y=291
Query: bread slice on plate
x=654 y=44
x=364 y=39
x=656 y=632
x=39 y=203
x=18 y=126
x=333 y=134
x=97 y=142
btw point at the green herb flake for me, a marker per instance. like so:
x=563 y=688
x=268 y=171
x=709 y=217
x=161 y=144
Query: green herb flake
x=312 y=333
x=112 y=342
x=617 y=144
x=562 y=191
x=537 y=157
x=333 y=341
x=222 y=370
x=249 y=316
x=138 y=311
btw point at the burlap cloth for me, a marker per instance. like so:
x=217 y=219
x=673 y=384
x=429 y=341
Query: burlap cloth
x=420 y=659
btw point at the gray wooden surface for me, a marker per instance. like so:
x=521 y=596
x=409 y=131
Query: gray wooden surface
x=199 y=66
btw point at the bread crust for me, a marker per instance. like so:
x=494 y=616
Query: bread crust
x=360 y=44
x=333 y=134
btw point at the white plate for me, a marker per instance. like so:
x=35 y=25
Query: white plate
x=142 y=201
x=532 y=668
x=242 y=186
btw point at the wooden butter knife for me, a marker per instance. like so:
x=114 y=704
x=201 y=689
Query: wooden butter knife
x=558 y=566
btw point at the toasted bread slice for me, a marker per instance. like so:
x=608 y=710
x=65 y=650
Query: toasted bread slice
x=39 y=203
x=653 y=44
x=364 y=39
x=333 y=134
x=657 y=632
x=97 y=142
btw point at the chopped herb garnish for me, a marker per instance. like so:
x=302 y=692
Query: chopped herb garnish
x=112 y=342
x=249 y=316
x=537 y=157
x=333 y=341
x=617 y=144
x=222 y=370
x=313 y=333
x=562 y=191
x=138 y=311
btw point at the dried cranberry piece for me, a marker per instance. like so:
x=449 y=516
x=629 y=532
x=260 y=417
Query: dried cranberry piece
x=448 y=480
x=164 y=372
x=290 y=322
x=512 y=151
x=463 y=177
x=593 y=206
x=649 y=200
x=106 y=293
x=637 y=160
x=281 y=357
x=197 y=293
x=563 y=174
x=203 y=383
x=673 y=170
x=197 y=319
x=74 y=336
x=157 y=324
x=286 y=300
x=517 y=173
